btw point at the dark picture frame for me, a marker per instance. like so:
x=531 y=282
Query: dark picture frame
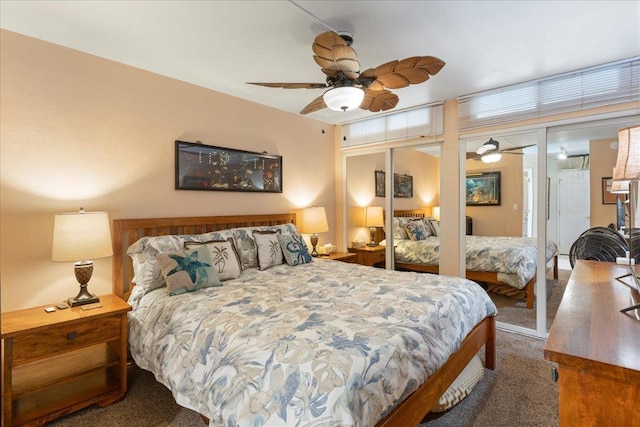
x=210 y=168
x=483 y=189
x=608 y=198
x=380 y=190
x=402 y=185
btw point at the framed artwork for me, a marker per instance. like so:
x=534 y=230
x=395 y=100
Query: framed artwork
x=483 y=189
x=209 y=168
x=379 y=184
x=608 y=198
x=402 y=185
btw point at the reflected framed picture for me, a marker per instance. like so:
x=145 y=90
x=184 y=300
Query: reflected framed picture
x=380 y=184
x=483 y=189
x=608 y=198
x=402 y=185
x=210 y=168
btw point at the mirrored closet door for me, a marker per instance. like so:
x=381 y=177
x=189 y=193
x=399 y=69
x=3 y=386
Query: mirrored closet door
x=411 y=190
x=501 y=199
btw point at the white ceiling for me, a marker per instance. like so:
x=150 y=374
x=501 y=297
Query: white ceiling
x=221 y=45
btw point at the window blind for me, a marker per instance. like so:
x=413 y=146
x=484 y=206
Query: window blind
x=599 y=86
x=423 y=121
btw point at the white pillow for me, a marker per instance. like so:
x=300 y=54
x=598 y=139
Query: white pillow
x=269 y=249
x=224 y=256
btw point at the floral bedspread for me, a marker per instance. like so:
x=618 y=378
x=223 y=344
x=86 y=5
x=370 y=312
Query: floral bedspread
x=513 y=258
x=320 y=344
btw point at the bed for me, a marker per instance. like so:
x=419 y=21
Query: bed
x=291 y=339
x=506 y=264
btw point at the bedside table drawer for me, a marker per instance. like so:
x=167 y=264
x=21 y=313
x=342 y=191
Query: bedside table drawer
x=377 y=257
x=65 y=337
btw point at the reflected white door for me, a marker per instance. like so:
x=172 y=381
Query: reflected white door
x=527 y=205
x=574 y=206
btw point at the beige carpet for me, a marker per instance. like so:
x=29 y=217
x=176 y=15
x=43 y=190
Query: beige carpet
x=518 y=393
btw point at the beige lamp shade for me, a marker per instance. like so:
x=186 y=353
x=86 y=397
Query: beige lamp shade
x=435 y=212
x=314 y=220
x=373 y=216
x=81 y=236
x=628 y=161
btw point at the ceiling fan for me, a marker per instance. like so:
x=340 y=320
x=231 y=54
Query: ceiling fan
x=348 y=88
x=490 y=151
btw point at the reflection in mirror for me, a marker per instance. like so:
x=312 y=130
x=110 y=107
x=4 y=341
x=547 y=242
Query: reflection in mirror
x=362 y=186
x=416 y=221
x=501 y=247
x=580 y=189
x=416 y=188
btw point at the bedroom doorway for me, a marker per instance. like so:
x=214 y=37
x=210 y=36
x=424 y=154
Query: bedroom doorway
x=574 y=211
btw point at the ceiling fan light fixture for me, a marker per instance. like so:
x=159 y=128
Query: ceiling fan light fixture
x=491 y=157
x=490 y=145
x=562 y=155
x=343 y=98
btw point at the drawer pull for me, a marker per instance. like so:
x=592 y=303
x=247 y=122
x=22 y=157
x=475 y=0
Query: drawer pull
x=72 y=336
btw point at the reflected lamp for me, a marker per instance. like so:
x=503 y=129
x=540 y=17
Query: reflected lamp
x=81 y=237
x=373 y=219
x=628 y=160
x=314 y=221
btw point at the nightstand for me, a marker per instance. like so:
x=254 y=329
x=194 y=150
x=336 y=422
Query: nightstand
x=56 y=363
x=341 y=256
x=373 y=256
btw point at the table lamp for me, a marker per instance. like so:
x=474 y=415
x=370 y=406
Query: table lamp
x=372 y=219
x=314 y=221
x=81 y=237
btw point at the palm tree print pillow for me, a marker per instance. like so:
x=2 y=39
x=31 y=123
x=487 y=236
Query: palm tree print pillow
x=224 y=256
x=269 y=251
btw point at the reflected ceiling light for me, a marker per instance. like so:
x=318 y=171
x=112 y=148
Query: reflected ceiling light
x=491 y=157
x=490 y=145
x=562 y=155
x=343 y=98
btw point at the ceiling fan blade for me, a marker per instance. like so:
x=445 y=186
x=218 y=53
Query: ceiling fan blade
x=333 y=53
x=378 y=100
x=398 y=74
x=517 y=148
x=315 y=105
x=292 y=85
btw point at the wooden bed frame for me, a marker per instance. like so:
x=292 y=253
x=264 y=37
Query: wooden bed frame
x=410 y=411
x=491 y=278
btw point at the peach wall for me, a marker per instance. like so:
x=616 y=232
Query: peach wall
x=506 y=219
x=602 y=161
x=78 y=130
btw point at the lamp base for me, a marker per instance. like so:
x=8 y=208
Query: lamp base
x=372 y=232
x=314 y=243
x=83 y=297
x=83 y=270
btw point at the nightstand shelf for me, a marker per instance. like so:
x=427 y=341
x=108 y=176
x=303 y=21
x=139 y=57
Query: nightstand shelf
x=56 y=363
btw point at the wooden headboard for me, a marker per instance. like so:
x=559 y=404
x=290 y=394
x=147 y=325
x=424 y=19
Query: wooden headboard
x=128 y=231
x=406 y=213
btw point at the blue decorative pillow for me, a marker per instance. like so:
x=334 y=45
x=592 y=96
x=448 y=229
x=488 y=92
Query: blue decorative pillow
x=294 y=249
x=416 y=230
x=188 y=270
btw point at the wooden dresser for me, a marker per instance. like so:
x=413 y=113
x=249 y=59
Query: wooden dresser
x=597 y=349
